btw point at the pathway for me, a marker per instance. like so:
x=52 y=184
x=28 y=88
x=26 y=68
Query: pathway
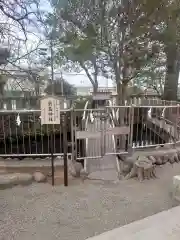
x=153 y=227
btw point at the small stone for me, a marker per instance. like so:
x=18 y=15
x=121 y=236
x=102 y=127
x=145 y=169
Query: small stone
x=168 y=163
x=58 y=158
x=165 y=159
x=167 y=146
x=8 y=159
x=158 y=160
x=153 y=160
x=176 y=158
x=75 y=168
x=84 y=174
x=158 y=147
x=47 y=159
x=171 y=159
x=39 y=177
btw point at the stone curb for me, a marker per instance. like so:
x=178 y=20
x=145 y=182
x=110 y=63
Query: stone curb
x=11 y=180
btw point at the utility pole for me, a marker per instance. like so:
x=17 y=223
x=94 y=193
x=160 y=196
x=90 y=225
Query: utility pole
x=52 y=63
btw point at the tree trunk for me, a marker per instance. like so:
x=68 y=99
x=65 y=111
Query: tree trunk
x=121 y=93
x=95 y=87
x=1 y=95
x=121 y=97
x=172 y=73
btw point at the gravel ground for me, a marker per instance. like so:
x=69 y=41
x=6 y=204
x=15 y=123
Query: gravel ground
x=40 y=212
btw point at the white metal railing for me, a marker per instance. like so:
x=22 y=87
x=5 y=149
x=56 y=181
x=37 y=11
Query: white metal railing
x=86 y=143
x=152 y=127
x=85 y=111
x=114 y=146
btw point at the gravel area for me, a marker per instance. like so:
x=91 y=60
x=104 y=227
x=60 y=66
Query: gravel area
x=40 y=212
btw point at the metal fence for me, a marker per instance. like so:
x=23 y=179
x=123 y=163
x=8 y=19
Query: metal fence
x=21 y=134
x=153 y=125
x=89 y=133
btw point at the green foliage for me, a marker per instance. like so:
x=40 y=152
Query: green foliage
x=81 y=101
x=125 y=39
x=61 y=88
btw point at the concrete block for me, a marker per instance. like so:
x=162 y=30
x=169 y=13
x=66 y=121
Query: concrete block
x=176 y=188
x=162 y=226
x=13 y=179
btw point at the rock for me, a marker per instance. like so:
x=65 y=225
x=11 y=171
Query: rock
x=168 y=164
x=28 y=159
x=84 y=174
x=153 y=159
x=126 y=167
x=178 y=153
x=12 y=179
x=38 y=159
x=167 y=146
x=8 y=159
x=58 y=158
x=159 y=160
x=39 y=177
x=165 y=159
x=47 y=159
x=16 y=159
x=176 y=188
x=75 y=168
x=176 y=158
x=2 y=159
x=158 y=147
x=171 y=159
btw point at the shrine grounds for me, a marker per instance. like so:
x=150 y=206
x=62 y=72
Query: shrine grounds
x=82 y=210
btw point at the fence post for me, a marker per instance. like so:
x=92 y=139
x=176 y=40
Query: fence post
x=65 y=147
x=73 y=154
x=131 y=126
x=52 y=156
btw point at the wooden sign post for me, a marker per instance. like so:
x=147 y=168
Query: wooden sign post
x=50 y=114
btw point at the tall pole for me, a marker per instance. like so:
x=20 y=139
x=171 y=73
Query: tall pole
x=62 y=85
x=52 y=63
x=52 y=89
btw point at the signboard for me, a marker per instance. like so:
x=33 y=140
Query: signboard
x=50 y=110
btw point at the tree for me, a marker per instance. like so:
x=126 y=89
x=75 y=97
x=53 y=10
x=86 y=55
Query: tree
x=162 y=16
x=61 y=88
x=78 y=44
x=126 y=37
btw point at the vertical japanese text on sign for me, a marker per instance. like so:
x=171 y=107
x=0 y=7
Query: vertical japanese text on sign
x=50 y=110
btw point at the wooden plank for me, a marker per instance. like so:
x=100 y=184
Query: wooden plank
x=118 y=130
x=86 y=134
